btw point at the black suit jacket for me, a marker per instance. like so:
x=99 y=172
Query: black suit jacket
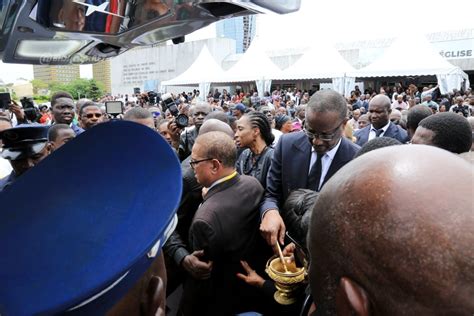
x=290 y=167
x=393 y=131
x=226 y=227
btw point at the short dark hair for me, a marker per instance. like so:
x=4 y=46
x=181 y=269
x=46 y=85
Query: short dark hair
x=85 y=105
x=58 y=95
x=53 y=131
x=280 y=120
x=298 y=208
x=220 y=146
x=328 y=101
x=451 y=131
x=377 y=143
x=416 y=114
x=137 y=113
x=218 y=115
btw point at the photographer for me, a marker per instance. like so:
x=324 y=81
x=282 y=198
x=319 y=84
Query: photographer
x=460 y=108
x=14 y=111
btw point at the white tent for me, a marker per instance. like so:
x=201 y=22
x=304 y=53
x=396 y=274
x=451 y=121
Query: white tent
x=202 y=72
x=415 y=56
x=322 y=62
x=254 y=65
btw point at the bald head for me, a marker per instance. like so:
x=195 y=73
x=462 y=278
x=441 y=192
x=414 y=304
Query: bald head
x=379 y=111
x=327 y=101
x=404 y=246
x=217 y=145
x=214 y=125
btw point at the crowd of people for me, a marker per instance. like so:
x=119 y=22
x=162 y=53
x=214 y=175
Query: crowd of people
x=354 y=184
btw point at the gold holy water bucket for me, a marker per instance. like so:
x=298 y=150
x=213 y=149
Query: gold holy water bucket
x=288 y=283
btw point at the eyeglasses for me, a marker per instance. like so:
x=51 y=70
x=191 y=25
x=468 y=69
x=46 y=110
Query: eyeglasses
x=193 y=163
x=91 y=115
x=324 y=137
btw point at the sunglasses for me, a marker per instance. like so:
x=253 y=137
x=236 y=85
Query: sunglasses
x=91 y=115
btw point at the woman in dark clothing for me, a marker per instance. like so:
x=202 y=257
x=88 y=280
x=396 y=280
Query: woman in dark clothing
x=255 y=133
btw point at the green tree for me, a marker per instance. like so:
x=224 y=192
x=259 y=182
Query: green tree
x=38 y=85
x=58 y=86
x=96 y=89
x=80 y=88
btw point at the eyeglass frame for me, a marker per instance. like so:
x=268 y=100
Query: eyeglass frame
x=329 y=137
x=193 y=163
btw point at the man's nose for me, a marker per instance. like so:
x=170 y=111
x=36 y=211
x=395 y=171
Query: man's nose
x=317 y=141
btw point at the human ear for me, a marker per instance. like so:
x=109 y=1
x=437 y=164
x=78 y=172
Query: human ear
x=50 y=147
x=351 y=299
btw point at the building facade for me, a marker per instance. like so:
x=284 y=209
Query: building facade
x=147 y=67
x=241 y=29
x=56 y=73
x=101 y=73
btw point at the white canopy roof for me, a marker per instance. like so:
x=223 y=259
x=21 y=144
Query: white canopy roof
x=204 y=69
x=318 y=63
x=254 y=65
x=409 y=56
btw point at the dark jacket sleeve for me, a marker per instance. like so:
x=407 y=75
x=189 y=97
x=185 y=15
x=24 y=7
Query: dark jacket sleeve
x=266 y=163
x=203 y=237
x=177 y=247
x=273 y=190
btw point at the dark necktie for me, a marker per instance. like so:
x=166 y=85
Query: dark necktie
x=314 y=176
x=378 y=132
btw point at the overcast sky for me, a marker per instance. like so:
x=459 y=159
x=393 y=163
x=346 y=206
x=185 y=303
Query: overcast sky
x=335 y=21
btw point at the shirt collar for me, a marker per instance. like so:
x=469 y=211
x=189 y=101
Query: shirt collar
x=383 y=128
x=221 y=180
x=333 y=151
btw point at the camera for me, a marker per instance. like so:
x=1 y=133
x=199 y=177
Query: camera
x=169 y=103
x=464 y=109
x=153 y=97
x=5 y=100
x=31 y=112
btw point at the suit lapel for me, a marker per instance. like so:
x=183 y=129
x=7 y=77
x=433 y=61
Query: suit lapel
x=301 y=156
x=392 y=131
x=340 y=159
x=364 y=135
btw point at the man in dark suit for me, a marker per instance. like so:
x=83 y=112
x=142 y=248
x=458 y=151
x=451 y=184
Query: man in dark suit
x=306 y=159
x=225 y=228
x=379 y=109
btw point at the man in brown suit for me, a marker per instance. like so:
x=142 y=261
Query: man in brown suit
x=225 y=228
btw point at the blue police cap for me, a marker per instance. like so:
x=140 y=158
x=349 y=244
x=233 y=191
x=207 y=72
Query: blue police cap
x=81 y=243
x=23 y=140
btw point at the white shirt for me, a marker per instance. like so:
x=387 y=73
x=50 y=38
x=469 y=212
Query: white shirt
x=372 y=134
x=325 y=162
x=5 y=167
x=277 y=134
